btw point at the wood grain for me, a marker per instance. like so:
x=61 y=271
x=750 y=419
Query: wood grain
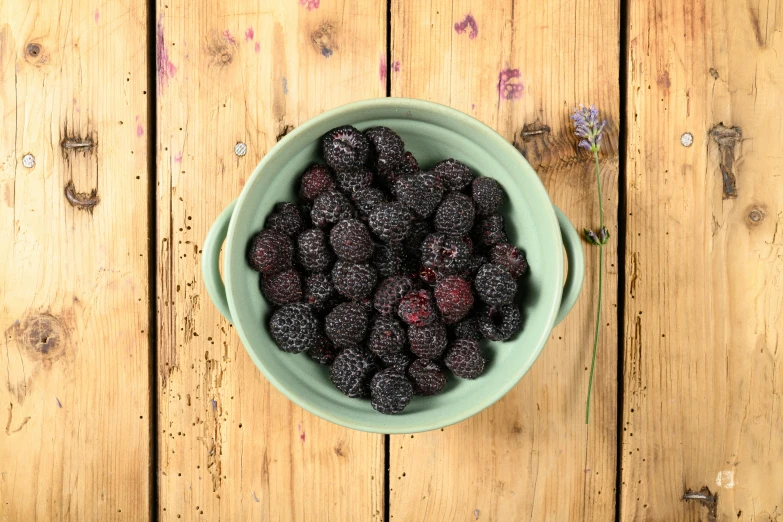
x=231 y=446
x=530 y=456
x=74 y=284
x=703 y=313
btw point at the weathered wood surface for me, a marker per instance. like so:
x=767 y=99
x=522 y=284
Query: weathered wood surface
x=74 y=292
x=231 y=446
x=703 y=370
x=521 y=67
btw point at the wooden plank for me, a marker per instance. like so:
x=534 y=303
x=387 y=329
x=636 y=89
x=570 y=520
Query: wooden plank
x=530 y=456
x=702 y=364
x=231 y=446
x=74 y=286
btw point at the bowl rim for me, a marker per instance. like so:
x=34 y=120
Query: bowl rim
x=402 y=104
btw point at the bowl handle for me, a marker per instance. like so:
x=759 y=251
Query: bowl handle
x=576 y=265
x=210 y=261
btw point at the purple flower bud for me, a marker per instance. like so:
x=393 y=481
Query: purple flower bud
x=603 y=235
x=591 y=237
x=588 y=126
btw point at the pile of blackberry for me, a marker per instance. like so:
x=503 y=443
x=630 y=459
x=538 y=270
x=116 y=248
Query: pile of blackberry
x=389 y=274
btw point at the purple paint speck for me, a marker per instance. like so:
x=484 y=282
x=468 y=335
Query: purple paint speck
x=178 y=157
x=249 y=34
x=326 y=52
x=166 y=69
x=97 y=16
x=139 y=130
x=214 y=404
x=59 y=404
x=396 y=66
x=258 y=47
x=137 y=117
x=301 y=432
x=229 y=37
x=468 y=22
x=254 y=496
x=382 y=69
x=310 y=4
x=285 y=85
x=473 y=106
x=507 y=90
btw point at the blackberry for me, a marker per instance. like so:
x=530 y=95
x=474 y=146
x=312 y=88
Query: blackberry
x=282 y=288
x=351 y=241
x=418 y=233
x=474 y=263
x=427 y=377
x=398 y=362
x=318 y=292
x=467 y=329
x=391 y=222
x=353 y=280
x=294 y=328
x=350 y=181
x=388 y=259
x=345 y=148
x=416 y=308
x=490 y=231
x=329 y=208
x=270 y=251
x=494 y=285
x=446 y=254
x=367 y=199
x=387 y=146
x=510 y=258
x=408 y=165
x=312 y=251
x=316 y=180
x=454 y=297
x=323 y=351
x=453 y=174
x=390 y=392
x=387 y=336
x=464 y=359
x=420 y=192
x=351 y=372
x=487 y=195
x=428 y=342
x=346 y=325
x=390 y=292
x=286 y=219
x=501 y=323
x=455 y=215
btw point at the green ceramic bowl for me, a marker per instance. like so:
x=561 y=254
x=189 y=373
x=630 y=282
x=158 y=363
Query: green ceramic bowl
x=431 y=132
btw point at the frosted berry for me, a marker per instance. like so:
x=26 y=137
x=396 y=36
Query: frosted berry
x=346 y=324
x=270 y=251
x=428 y=378
x=387 y=336
x=455 y=215
x=454 y=297
x=501 y=323
x=464 y=359
x=490 y=231
x=420 y=192
x=453 y=174
x=494 y=285
x=316 y=180
x=282 y=288
x=390 y=292
x=351 y=241
x=487 y=195
x=510 y=258
x=286 y=219
x=390 y=392
x=416 y=308
x=353 y=280
x=351 y=372
x=391 y=222
x=312 y=251
x=294 y=328
x=329 y=208
x=345 y=148
x=350 y=181
x=428 y=342
x=386 y=145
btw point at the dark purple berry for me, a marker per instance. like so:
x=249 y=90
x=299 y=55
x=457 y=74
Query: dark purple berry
x=454 y=296
x=390 y=292
x=455 y=215
x=391 y=222
x=388 y=259
x=387 y=336
x=329 y=208
x=397 y=362
x=467 y=329
x=510 y=258
x=345 y=148
x=294 y=328
x=428 y=342
x=350 y=181
x=351 y=372
x=282 y=288
x=346 y=324
x=490 y=231
x=270 y=251
x=416 y=308
x=487 y=195
x=390 y=392
x=494 y=285
x=464 y=359
x=318 y=291
x=420 y=192
x=501 y=323
x=354 y=280
x=323 y=351
x=453 y=174
x=367 y=199
x=351 y=241
x=286 y=219
x=387 y=146
x=428 y=378
x=446 y=254
x=312 y=251
x=316 y=180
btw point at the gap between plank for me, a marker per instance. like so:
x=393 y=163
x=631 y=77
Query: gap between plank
x=387 y=438
x=152 y=250
x=622 y=206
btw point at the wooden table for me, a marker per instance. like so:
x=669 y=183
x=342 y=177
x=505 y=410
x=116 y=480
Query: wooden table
x=126 y=396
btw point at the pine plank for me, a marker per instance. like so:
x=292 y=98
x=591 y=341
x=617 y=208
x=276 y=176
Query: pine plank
x=530 y=456
x=702 y=365
x=231 y=446
x=74 y=286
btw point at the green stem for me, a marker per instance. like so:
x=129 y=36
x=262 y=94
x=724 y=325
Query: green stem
x=600 y=289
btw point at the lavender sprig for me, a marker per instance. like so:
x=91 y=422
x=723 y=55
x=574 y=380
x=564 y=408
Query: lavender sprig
x=590 y=128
